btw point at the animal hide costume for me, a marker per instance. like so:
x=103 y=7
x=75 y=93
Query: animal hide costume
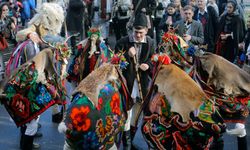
x=98 y=110
x=36 y=85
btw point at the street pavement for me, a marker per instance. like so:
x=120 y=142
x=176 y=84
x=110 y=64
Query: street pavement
x=53 y=140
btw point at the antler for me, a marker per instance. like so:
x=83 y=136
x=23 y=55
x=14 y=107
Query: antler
x=76 y=34
x=47 y=43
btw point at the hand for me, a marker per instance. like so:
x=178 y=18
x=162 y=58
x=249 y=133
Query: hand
x=187 y=37
x=144 y=67
x=223 y=36
x=34 y=37
x=143 y=10
x=131 y=51
x=241 y=46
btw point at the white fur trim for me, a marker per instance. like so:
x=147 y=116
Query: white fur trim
x=239 y=130
x=113 y=147
x=62 y=127
x=127 y=124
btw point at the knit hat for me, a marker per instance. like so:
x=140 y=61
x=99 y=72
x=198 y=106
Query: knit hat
x=140 y=20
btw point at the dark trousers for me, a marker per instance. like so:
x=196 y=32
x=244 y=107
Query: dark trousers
x=26 y=141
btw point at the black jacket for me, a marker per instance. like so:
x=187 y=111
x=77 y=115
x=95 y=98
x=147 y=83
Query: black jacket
x=237 y=27
x=210 y=30
x=74 y=18
x=146 y=53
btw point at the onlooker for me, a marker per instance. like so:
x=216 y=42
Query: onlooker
x=159 y=12
x=230 y=33
x=121 y=16
x=179 y=7
x=209 y=20
x=169 y=18
x=101 y=16
x=190 y=30
x=193 y=4
x=7 y=23
x=147 y=7
x=214 y=5
x=27 y=11
x=74 y=21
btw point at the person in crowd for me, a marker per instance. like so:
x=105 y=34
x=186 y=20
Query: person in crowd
x=74 y=21
x=221 y=6
x=138 y=48
x=121 y=15
x=193 y=4
x=208 y=17
x=190 y=30
x=8 y=25
x=159 y=12
x=214 y=5
x=247 y=40
x=230 y=33
x=179 y=7
x=14 y=9
x=27 y=11
x=147 y=7
x=101 y=16
x=169 y=18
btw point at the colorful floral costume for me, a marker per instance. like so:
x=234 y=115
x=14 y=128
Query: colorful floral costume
x=93 y=121
x=30 y=91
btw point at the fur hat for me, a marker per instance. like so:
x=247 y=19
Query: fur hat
x=140 y=20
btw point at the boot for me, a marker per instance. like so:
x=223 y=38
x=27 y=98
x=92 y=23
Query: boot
x=26 y=142
x=218 y=144
x=242 y=143
x=57 y=118
x=36 y=146
x=126 y=140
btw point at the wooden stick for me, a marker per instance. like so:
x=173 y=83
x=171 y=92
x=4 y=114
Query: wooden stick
x=138 y=78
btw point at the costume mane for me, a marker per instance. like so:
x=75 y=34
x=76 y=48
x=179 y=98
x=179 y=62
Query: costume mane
x=50 y=17
x=91 y=85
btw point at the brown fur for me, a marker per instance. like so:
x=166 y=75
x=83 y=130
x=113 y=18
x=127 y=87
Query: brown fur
x=43 y=62
x=225 y=75
x=91 y=85
x=181 y=91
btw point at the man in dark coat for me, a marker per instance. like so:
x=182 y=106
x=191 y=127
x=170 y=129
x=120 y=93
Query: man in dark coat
x=138 y=51
x=74 y=20
x=209 y=19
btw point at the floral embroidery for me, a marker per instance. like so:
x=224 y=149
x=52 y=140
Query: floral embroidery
x=115 y=104
x=20 y=105
x=79 y=118
x=100 y=101
x=44 y=96
x=104 y=131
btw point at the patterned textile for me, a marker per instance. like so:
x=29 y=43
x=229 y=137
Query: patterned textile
x=168 y=131
x=232 y=109
x=95 y=127
x=82 y=65
x=26 y=99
